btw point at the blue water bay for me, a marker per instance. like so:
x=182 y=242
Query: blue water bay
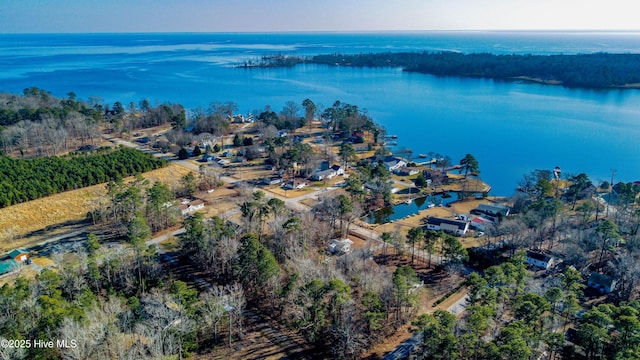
x=510 y=127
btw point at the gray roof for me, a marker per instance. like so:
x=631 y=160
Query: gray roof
x=600 y=279
x=538 y=256
x=438 y=221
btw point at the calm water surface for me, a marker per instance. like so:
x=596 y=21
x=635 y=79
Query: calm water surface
x=511 y=128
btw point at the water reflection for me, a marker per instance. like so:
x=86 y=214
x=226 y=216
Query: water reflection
x=400 y=211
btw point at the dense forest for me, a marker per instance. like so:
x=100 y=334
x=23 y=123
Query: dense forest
x=599 y=70
x=28 y=179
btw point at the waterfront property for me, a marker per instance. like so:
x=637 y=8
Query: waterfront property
x=494 y=209
x=457 y=227
x=406 y=171
x=391 y=163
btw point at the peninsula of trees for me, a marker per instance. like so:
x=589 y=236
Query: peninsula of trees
x=598 y=71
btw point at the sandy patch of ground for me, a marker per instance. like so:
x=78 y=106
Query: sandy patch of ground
x=311 y=202
x=223 y=199
x=243 y=172
x=43 y=262
x=287 y=193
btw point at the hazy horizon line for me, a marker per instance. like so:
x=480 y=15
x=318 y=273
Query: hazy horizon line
x=337 y=31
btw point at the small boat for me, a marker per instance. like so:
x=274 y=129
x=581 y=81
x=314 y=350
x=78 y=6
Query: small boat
x=422 y=156
x=431 y=205
x=408 y=202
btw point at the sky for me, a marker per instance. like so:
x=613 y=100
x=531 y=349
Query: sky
x=78 y=16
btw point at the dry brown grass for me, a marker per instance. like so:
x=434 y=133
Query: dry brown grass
x=220 y=201
x=43 y=261
x=19 y=220
x=288 y=193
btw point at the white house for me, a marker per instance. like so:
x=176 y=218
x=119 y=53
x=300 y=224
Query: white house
x=457 y=227
x=295 y=184
x=191 y=206
x=393 y=163
x=340 y=246
x=327 y=173
x=540 y=260
x=405 y=171
x=339 y=170
x=272 y=180
x=390 y=162
x=323 y=174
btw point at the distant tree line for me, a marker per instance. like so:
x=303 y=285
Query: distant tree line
x=36 y=104
x=598 y=70
x=29 y=179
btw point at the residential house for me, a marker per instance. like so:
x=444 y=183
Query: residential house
x=480 y=223
x=19 y=255
x=361 y=147
x=323 y=174
x=494 y=209
x=295 y=184
x=208 y=158
x=390 y=162
x=187 y=207
x=339 y=170
x=406 y=171
x=457 y=227
x=8 y=266
x=272 y=180
x=340 y=246
x=393 y=163
x=540 y=260
x=240 y=119
x=603 y=283
x=327 y=172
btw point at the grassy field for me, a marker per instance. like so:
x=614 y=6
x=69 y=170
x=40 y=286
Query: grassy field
x=19 y=222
